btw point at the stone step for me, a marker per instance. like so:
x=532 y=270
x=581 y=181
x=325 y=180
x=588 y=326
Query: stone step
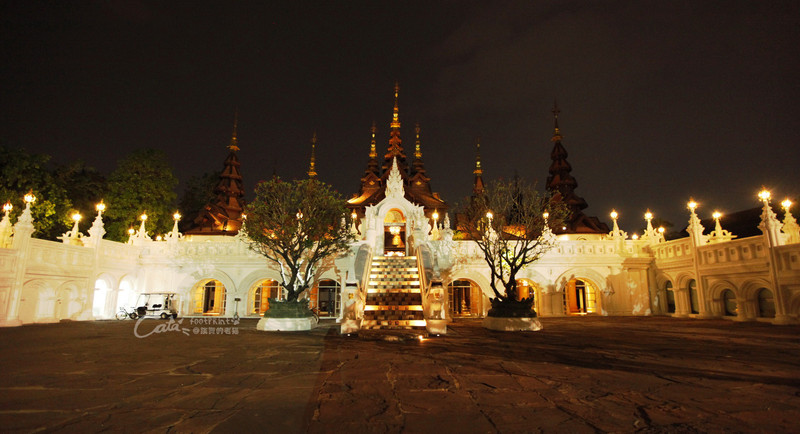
x=372 y=324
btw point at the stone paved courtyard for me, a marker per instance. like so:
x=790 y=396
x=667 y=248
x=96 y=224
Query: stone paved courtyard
x=586 y=374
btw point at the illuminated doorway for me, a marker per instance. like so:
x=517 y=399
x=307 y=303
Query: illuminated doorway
x=527 y=289
x=580 y=297
x=394 y=233
x=464 y=299
x=209 y=298
x=328 y=293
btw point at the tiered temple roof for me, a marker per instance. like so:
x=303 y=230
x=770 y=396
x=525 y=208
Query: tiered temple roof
x=416 y=183
x=562 y=185
x=224 y=215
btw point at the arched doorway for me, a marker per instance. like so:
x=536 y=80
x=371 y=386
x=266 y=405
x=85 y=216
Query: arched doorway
x=694 y=301
x=729 y=303
x=260 y=294
x=580 y=297
x=766 y=303
x=669 y=296
x=209 y=298
x=394 y=233
x=464 y=299
x=100 y=302
x=525 y=289
x=328 y=295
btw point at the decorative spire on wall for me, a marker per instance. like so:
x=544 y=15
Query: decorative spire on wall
x=478 y=186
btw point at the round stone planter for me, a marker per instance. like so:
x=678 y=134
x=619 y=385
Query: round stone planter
x=285 y=324
x=512 y=324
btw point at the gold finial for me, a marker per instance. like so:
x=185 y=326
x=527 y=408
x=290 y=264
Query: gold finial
x=556 y=131
x=478 y=170
x=417 y=152
x=234 y=146
x=312 y=171
x=372 y=152
x=396 y=113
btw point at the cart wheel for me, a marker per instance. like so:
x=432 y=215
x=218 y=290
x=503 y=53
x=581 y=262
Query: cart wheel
x=174 y=316
x=133 y=315
x=164 y=316
x=121 y=315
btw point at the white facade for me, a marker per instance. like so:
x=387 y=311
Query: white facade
x=755 y=278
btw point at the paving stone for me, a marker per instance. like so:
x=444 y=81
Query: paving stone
x=588 y=374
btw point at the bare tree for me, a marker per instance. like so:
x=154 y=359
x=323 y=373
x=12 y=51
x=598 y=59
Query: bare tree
x=511 y=222
x=297 y=225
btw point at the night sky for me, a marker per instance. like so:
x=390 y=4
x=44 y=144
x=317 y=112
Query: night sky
x=659 y=100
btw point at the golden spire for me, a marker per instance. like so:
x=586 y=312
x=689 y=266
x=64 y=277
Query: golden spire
x=372 y=152
x=234 y=146
x=396 y=114
x=312 y=172
x=478 y=170
x=417 y=151
x=556 y=131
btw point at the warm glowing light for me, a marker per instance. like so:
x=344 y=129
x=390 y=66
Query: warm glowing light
x=692 y=204
x=648 y=215
x=614 y=214
x=435 y=215
x=716 y=215
x=143 y=217
x=131 y=231
x=100 y=207
x=299 y=215
x=421 y=338
x=158 y=238
x=634 y=237
x=394 y=230
x=489 y=215
x=244 y=216
x=786 y=204
x=764 y=195
x=546 y=215
x=354 y=215
x=76 y=216
x=661 y=229
x=30 y=198
x=8 y=207
x=176 y=216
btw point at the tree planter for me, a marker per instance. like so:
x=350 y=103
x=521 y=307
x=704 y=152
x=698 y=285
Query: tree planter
x=286 y=316
x=512 y=315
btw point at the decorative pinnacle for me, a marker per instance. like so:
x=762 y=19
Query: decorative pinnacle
x=478 y=170
x=556 y=132
x=234 y=146
x=372 y=152
x=396 y=113
x=417 y=151
x=312 y=171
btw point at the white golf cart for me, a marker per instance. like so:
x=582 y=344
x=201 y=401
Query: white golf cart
x=162 y=305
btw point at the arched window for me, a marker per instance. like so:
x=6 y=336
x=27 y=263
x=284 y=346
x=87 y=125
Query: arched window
x=263 y=291
x=766 y=303
x=694 y=301
x=328 y=292
x=670 y=295
x=729 y=302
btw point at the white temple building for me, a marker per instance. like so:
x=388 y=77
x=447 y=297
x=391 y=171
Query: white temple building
x=593 y=270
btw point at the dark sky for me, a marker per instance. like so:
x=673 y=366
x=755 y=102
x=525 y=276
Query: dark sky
x=660 y=100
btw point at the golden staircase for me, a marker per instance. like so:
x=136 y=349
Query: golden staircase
x=394 y=300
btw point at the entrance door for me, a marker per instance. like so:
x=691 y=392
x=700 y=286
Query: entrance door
x=328 y=299
x=394 y=233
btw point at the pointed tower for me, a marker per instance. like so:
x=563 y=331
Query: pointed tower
x=224 y=215
x=418 y=183
x=478 y=186
x=312 y=170
x=395 y=149
x=562 y=185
